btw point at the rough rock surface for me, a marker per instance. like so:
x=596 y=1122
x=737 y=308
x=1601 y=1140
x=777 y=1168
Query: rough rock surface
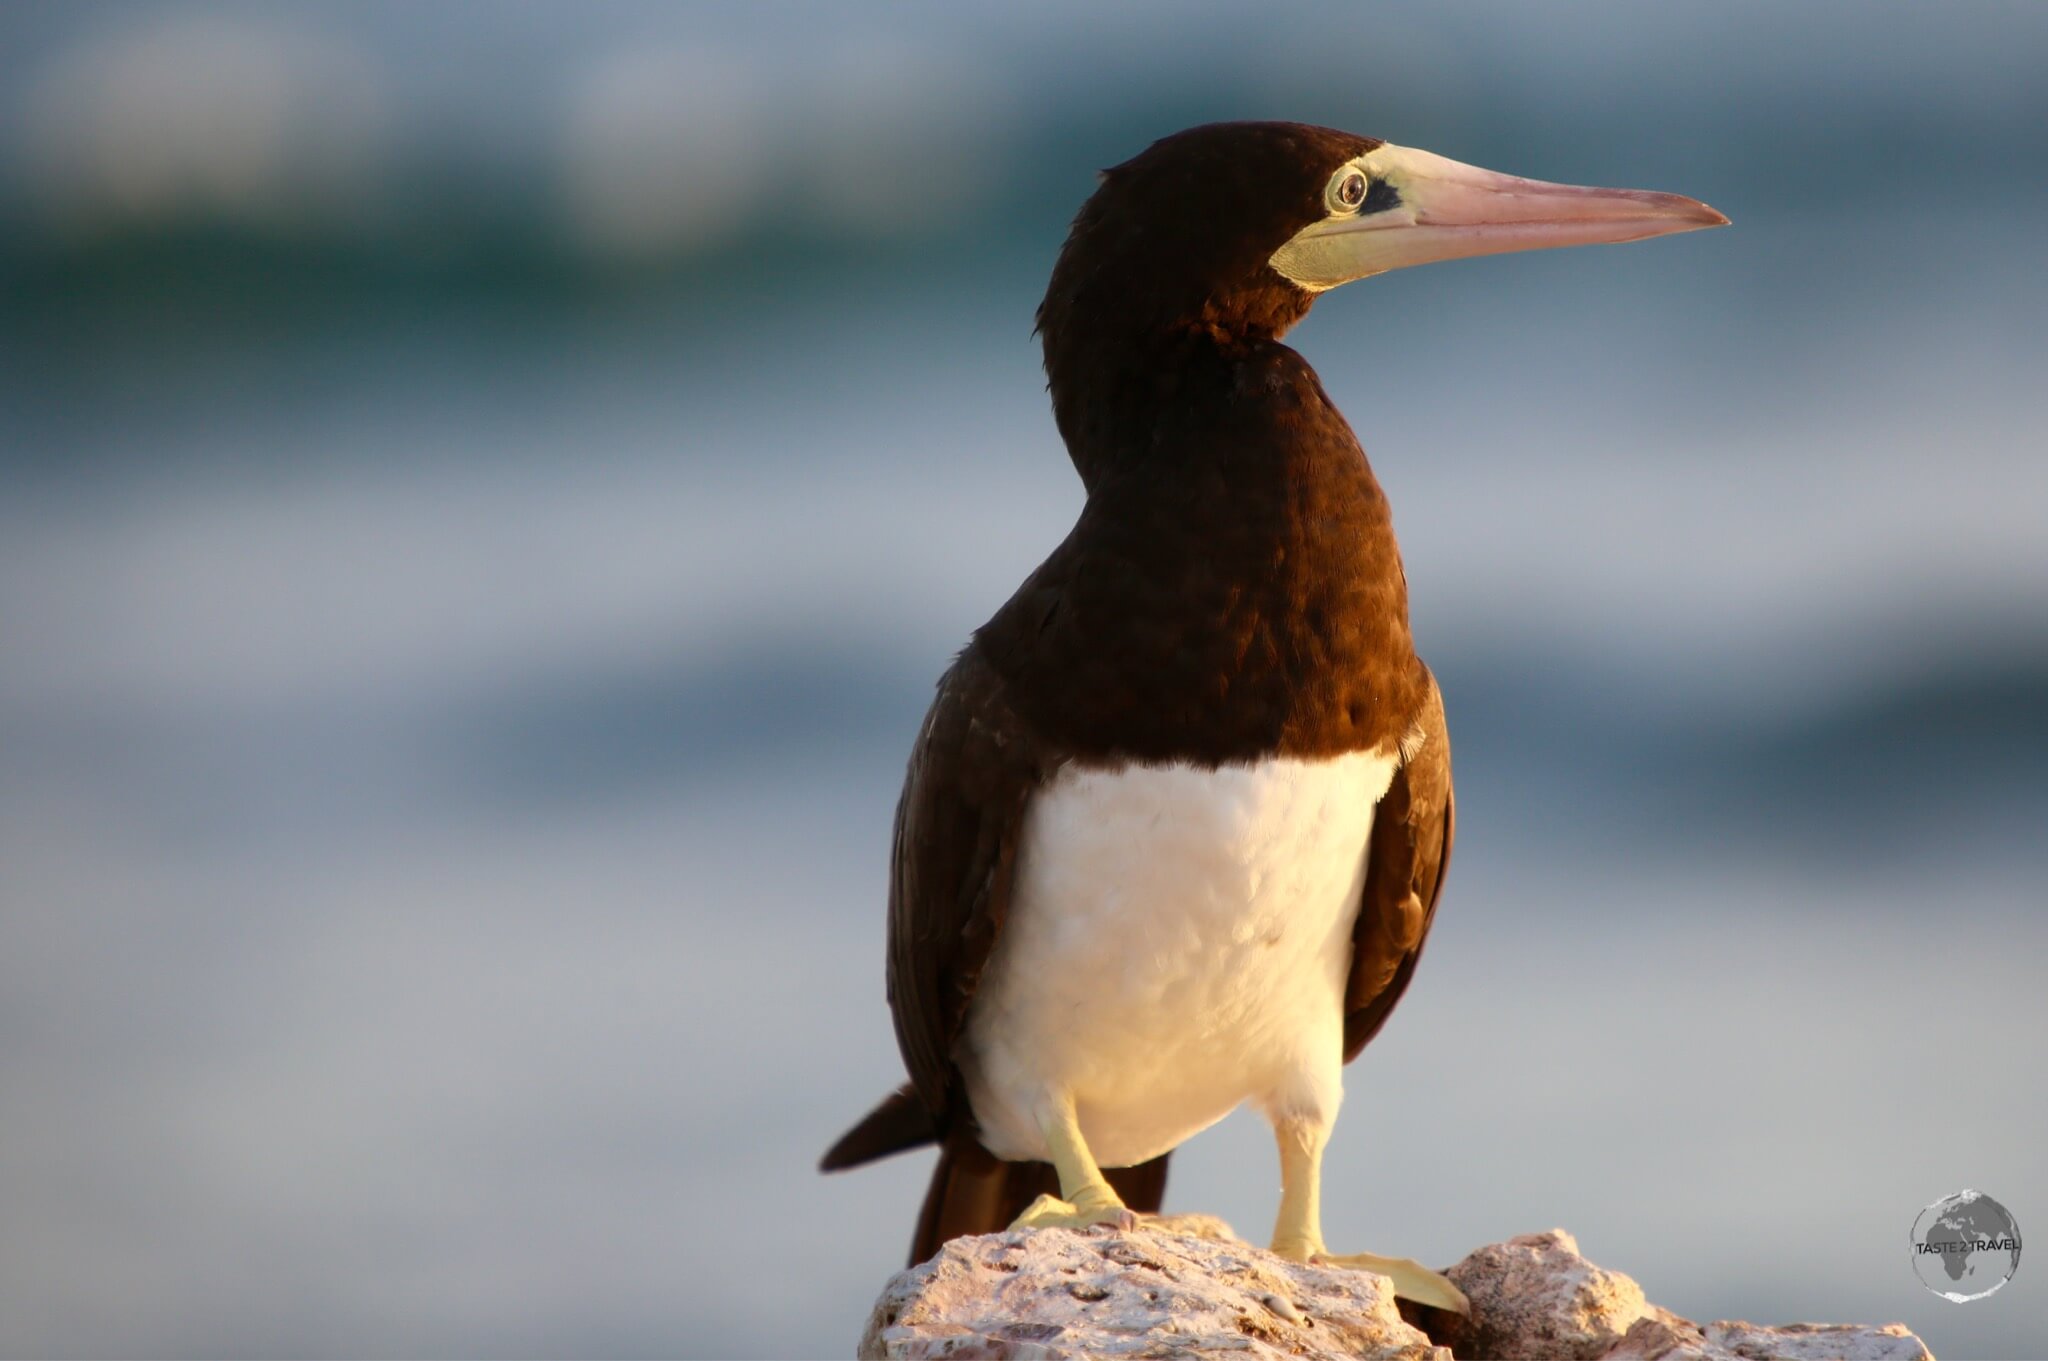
x=1187 y=1288
x=1534 y=1297
x=1046 y=1293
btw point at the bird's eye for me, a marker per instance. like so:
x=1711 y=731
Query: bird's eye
x=1348 y=190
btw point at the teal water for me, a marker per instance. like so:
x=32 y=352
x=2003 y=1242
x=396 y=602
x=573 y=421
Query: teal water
x=454 y=680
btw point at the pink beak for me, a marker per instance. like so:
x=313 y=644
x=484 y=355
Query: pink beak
x=1448 y=210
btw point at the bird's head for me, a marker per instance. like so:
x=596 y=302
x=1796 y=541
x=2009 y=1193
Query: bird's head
x=1234 y=228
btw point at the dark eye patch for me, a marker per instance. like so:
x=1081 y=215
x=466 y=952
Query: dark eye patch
x=1379 y=196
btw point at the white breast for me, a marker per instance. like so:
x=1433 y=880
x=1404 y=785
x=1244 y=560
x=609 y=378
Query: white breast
x=1177 y=944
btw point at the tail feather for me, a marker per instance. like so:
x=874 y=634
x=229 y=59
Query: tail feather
x=973 y=1191
x=900 y=1122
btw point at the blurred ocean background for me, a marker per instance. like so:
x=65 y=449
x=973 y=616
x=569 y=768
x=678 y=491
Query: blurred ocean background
x=485 y=490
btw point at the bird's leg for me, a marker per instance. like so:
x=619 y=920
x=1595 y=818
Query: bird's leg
x=1298 y=1230
x=1086 y=1197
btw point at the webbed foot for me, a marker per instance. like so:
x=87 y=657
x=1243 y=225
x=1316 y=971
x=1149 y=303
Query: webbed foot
x=1050 y=1212
x=1412 y=1280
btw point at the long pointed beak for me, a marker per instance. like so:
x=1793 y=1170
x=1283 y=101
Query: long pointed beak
x=1448 y=210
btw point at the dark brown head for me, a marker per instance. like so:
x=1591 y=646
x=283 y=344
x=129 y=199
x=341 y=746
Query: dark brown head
x=1182 y=235
x=1223 y=235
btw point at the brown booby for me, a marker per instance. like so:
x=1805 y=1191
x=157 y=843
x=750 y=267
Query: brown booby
x=1175 y=827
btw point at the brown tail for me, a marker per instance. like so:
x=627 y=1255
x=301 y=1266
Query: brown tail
x=973 y=1191
x=900 y=1122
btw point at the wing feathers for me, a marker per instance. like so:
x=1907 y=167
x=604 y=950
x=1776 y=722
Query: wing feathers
x=1405 y=861
x=971 y=774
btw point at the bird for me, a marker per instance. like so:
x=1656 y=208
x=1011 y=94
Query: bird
x=1174 y=829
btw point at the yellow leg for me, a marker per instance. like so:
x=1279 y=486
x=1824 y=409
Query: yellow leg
x=1088 y=1196
x=1298 y=1230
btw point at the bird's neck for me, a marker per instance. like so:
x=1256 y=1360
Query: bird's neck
x=1234 y=451
x=1117 y=392
x=1126 y=350
x=1236 y=536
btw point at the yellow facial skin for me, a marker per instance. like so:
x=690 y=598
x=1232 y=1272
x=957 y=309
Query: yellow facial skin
x=1446 y=210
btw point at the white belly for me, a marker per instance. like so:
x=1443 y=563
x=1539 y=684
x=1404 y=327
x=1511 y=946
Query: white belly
x=1177 y=944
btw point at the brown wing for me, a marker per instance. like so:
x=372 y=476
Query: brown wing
x=1404 y=873
x=971 y=773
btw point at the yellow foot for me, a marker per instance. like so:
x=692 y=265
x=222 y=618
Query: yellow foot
x=1050 y=1212
x=1412 y=1280
x=1192 y=1224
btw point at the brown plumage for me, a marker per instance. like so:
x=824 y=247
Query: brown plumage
x=1232 y=590
x=1122 y=898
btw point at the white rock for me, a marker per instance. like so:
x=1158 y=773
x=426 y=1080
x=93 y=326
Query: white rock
x=1186 y=1287
x=1054 y=1293
x=1536 y=1295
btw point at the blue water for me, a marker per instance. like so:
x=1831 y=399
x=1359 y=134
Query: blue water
x=453 y=697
